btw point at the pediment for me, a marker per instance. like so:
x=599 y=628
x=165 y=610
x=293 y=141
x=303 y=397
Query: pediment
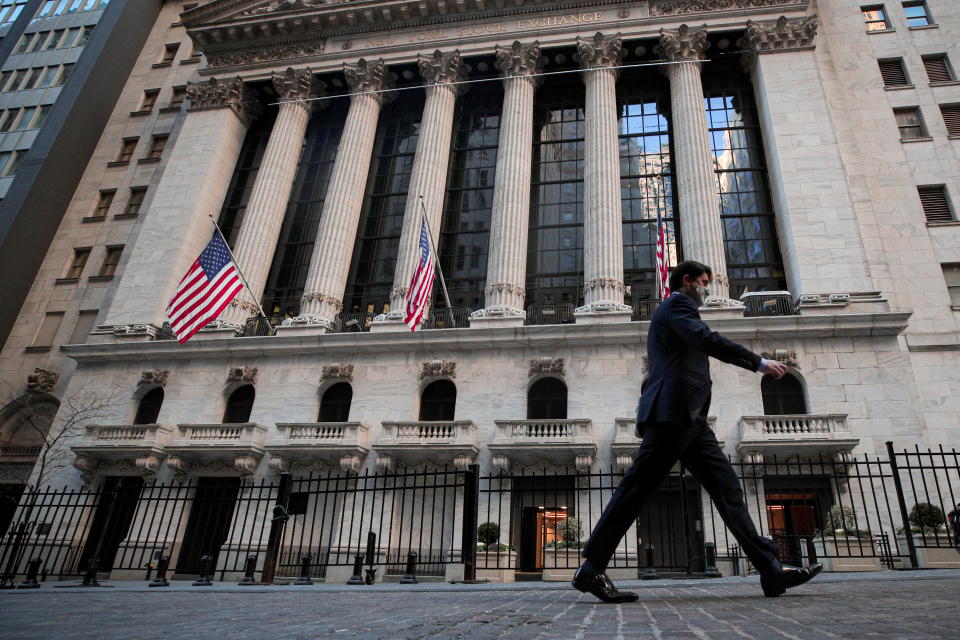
x=227 y=10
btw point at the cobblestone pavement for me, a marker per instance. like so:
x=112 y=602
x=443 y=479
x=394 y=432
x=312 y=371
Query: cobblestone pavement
x=888 y=605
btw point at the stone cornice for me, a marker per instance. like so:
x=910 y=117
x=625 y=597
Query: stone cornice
x=339 y=345
x=230 y=93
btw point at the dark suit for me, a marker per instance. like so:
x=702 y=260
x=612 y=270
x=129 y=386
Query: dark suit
x=672 y=420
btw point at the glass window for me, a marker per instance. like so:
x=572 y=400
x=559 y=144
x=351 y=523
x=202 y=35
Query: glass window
x=951 y=273
x=31 y=80
x=917 y=13
x=149 y=409
x=110 y=261
x=547 y=400
x=4 y=160
x=239 y=405
x=438 y=401
x=156 y=147
x=177 y=97
x=149 y=99
x=875 y=17
x=84 y=38
x=77 y=263
x=24 y=43
x=37 y=43
x=18 y=79
x=15 y=162
x=48 y=77
x=61 y=7
x=55 y=39
x=65 y=71
x=42 y=113
x=25 y=118
x=71 y=39
x=127 y=148
x=7 y=119
x=85 y=322
x=137 y=195
x=4 y=79
x=783 y=397
x=104 y=202
x=335 y=404
x=910 y=123
x=48 y=329
x=74 y=6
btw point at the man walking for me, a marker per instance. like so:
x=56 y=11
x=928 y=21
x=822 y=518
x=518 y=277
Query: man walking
x=672 y=420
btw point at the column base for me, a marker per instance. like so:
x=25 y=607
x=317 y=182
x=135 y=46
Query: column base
x=305 y=326
x=387 y=323
x=722 y=308
x=602 y=313
x=495 y=322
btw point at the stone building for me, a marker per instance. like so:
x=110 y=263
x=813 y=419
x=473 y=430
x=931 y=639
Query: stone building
x=806 y=149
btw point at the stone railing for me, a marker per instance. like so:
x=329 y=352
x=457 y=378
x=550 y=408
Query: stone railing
x=240 y=443
x=332 y=443
x=106 y=447
x=323 y=431
x=548 y=430
x=438 y=442
x=206 y=432
x=429 y=430
x=561 y=441
x=123 y=432
x=810 y=434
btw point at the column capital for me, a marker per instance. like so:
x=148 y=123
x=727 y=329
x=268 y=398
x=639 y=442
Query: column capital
x=519 y=60
x=683 y=44
x=782 y=34
x=231 y=94
x=298 y=85
x=600 y=51
x=368 y=76
x=442 y=68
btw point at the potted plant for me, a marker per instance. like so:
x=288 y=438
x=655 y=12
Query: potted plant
x=931 y=538
x=561 y=557
x=495 y=561
x=843 y=545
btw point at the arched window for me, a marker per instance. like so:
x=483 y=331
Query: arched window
x=239 y=405
x=783 y=396
x=149 y=407
x=335 y=403
x=438 y=401
x=547 y=400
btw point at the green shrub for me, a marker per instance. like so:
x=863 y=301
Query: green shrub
x=488 y=533
x=569 y=530
x=926 y=516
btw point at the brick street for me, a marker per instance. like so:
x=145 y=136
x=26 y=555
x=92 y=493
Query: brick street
x=887 y=605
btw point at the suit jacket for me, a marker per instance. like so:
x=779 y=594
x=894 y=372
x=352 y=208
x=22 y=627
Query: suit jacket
x=677 y=388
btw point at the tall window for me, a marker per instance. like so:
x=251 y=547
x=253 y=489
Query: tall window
x=917 y=13
x=465 y=231
x=149 y=409
x=951 y=118
x=77 y=263
x=10 y=10
x=149 y=99
x=749 y=229
x=137 y=194
x=936 y=205
x=291 y=261
x=85 y=321
x=48 y=329
x=646 y=181
x=169 y=53
x=239 y=405
x=555 y=247
x=938 y=68
x=110 y=261
x=438 y=401
x=875 y=17
x=378 y=238
x=104 y=202
x=783 y=396
x=910 y=123
x=244 y=175
x=335 y=403
x=547 y=400
x=156 y=147
x=951 y=274
x=126 y=149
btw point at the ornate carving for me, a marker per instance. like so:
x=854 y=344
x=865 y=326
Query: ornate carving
x=546 y=365
x=438 y=368
x=604 y=282
x=153 y=377
x=500 y=287
x=245 y=465
x=583 y=462
x=41 y=381
x=224 y=94
x=498 y=311
x=298 y=84
x=682 y=44
x=351 y=464
x=342 y=371
x=442 y=68
x=180 y=466
x=599 y=51
x=368 y=76
x=680 y=7
x=147 y=465
x=384 y=464
x=787 y=357
x=519 y=60
x=461 y=463
x=242 y=375
x=133 y=330
x=283 y=5
x=87 y=468
x=501 y=465
x=258 y=52
x=784 y=34
x=279 y=464
x=322 y=297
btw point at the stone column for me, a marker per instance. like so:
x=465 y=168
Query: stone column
x=507 y=257
x=602 y=217
x=202 y=157
x=428 y=176
x=260 y=229
x=697 y=204
x=337 y=231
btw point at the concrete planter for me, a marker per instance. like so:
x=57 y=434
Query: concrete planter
x=559 y=565
x=847 y=554
x=496 y=566
x=938 y=552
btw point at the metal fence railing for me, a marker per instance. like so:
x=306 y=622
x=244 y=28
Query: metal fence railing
x=550 y=314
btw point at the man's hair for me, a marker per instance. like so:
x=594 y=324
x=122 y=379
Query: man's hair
x=690 y=268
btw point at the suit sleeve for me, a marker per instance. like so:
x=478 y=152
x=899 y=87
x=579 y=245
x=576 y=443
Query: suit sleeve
x=686 y=323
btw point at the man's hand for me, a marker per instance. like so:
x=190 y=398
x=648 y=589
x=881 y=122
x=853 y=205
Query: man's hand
x=774 y=369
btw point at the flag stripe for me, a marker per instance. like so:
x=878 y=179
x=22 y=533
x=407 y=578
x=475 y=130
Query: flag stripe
x=195 y=302
x=421 y=282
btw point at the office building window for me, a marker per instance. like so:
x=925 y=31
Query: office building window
x=951 y=273
x=85 y=322
x=48 y=329
x=110 y=261
x=10 y=10
x=65 y=71
x=55 y=39
x=938 y=68
x=893 y=72
x=42 y=113
x=875 y=17
x=7 y=119
x=910 y=123
x=48 y=77
x=15 y=158
x=4 y=79
x=951 y=117
x=32 y=78
x=77 y=263
x=104 y=202
x=127 y=148
x=137 y=195
x=917 y=13
x=24 y=43
x=37 y=43
x=177 y=97
x=936 y=206
x=156 y=147
x=18 y=79
x=169 y=52
x=149 y=99
x=84 y=38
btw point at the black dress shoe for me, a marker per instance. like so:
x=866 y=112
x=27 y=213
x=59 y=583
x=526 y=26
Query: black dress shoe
x=599 y=585
x=775 y=584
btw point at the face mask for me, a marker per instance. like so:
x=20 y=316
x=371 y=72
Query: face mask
x=699 y=294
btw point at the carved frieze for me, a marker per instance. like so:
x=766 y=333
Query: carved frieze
x=263 y=52
x=546 y=365
x=242 y=375
x=442 y=68
x=783 y=34
x=681 y=7
x=41 y=381
x=153 y=377
x=298 y=84
x=682 y=44
x=438 y=368
x=519 y=59
x=368 y=75
x=283 y=5
x=600 y=51
x=342 y=371
x=224 y=94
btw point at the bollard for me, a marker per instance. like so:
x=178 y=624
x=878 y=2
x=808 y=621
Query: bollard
x=371 y=574
x=356 y=578
x=710 y=570
x=203 y=580
x=249 y=567
x=811 y=551
x=411 y=576
x=161 y=579
x=304 y=578
x=90 y=578
x=649 y=573
x=33 y=568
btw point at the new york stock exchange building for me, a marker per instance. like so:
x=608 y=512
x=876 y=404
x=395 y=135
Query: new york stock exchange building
x=805 y=149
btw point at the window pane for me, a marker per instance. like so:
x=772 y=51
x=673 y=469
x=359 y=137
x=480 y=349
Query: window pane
x=48 y=330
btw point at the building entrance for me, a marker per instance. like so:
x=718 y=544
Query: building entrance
x=209 y=522
x=112 y=519
x=795 y=508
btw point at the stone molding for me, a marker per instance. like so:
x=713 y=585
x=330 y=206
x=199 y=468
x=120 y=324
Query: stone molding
x=552 y=366
x=322 y=297
x=283 y=5
x=368 y=76
x=786 y=356
x=684 y=44
x=600 y=51
x=681 y=7
x=341 y=371
x=438 y=369
x=299 y=85
x=42 y=381
x=441 y=68
x=230 y=93
x=519 y=60
x=282 y=49
x=604 y=282
x=782 y=34
x=153 y=377
x=242 y=375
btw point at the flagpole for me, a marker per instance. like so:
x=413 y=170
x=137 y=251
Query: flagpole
x=436 y=258
x=237 y=265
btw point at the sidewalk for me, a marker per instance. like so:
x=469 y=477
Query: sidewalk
x=914 y=605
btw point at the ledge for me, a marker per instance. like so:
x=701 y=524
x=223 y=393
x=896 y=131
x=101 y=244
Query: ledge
x=922 y=27
x=898 y=87
x=951 y=223
x=118 y=163
x=873 y=31
x=171 y=109
x=946 y=83
x=161 y=65
x=99 y=278
x=142 y=112
x=126 y=216
x=66 y=281
x=921 y=139
x=344 y=344
x=36 y=349
x=148 y=160
x=92 y=219
x=191 y=60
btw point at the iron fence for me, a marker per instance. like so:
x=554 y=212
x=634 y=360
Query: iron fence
x=443 y=318
x=642 y=310
x=550 y=314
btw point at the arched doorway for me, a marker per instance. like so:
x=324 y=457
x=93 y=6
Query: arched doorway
x=335 y=403
x=149 y=408
x=438 y=401
x=239 y=405
x=782 y=397
x=547 y=400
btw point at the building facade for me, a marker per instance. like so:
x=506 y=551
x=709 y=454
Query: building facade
x=806 y=149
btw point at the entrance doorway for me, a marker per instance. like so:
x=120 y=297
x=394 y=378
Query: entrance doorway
x=539 y=505
x=795 y=508
x=673 y=523
x=209 y=522
x=118 y=503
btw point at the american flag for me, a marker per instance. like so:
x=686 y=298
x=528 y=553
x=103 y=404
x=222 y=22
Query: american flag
x=663 y=289
x=421 y=284
x=209 y=286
